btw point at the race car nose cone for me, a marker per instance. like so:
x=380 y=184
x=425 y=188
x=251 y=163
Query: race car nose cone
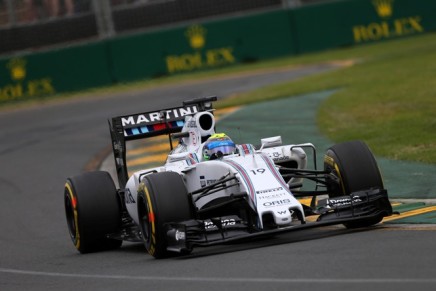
x=282 y=217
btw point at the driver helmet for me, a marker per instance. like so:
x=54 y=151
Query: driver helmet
x=218 y=145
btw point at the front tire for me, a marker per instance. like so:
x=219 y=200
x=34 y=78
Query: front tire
x=93 y=211
x=354 y=167
x=162 y=198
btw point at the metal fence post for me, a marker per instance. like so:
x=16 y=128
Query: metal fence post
x=103 y=15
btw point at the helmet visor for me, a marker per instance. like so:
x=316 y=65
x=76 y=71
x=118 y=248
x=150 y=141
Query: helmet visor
x=219 y=148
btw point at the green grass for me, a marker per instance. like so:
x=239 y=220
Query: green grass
x=387 y=99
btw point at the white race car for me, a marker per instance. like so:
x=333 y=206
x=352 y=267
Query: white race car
x=211 y=190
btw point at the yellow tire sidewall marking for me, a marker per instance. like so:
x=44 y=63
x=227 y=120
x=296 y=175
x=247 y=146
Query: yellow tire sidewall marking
x=331 y=162
x=340 y=178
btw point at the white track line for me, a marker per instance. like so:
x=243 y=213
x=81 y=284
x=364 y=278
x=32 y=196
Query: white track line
x=225 y=280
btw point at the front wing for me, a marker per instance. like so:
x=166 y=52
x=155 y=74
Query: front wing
x=354 y=208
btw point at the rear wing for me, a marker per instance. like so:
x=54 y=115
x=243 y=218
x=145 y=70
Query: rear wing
x=150 y=124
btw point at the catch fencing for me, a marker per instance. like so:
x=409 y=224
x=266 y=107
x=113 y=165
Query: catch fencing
x=37 y=24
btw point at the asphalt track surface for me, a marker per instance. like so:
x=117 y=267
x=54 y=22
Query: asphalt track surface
x=41 y=146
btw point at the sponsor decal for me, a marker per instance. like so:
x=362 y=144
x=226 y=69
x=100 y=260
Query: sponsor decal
x=128 y=197
x=224 y=222
x=204 y=182
x=387 y=27
x=344 y=201
x=20 y=87
x=180 y=235
x=277 y=157
x=284 y=158
x=272 y=196
x=196 y=34
x=158 y=116
x=194 y=138
x=269 y=190
x=199 y=58
x=383 y=7
x=277 y=203
x=210 y=182
x=192 y=123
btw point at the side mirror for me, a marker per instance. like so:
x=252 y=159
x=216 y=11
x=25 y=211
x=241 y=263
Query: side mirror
x=270 y=142
x=178 y=157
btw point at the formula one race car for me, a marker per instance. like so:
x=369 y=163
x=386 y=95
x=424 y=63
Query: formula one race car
x=211 y=190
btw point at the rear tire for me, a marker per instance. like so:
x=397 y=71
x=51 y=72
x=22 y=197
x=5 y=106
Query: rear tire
x=93 y=211
x=355 y=169
x=162 y=198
